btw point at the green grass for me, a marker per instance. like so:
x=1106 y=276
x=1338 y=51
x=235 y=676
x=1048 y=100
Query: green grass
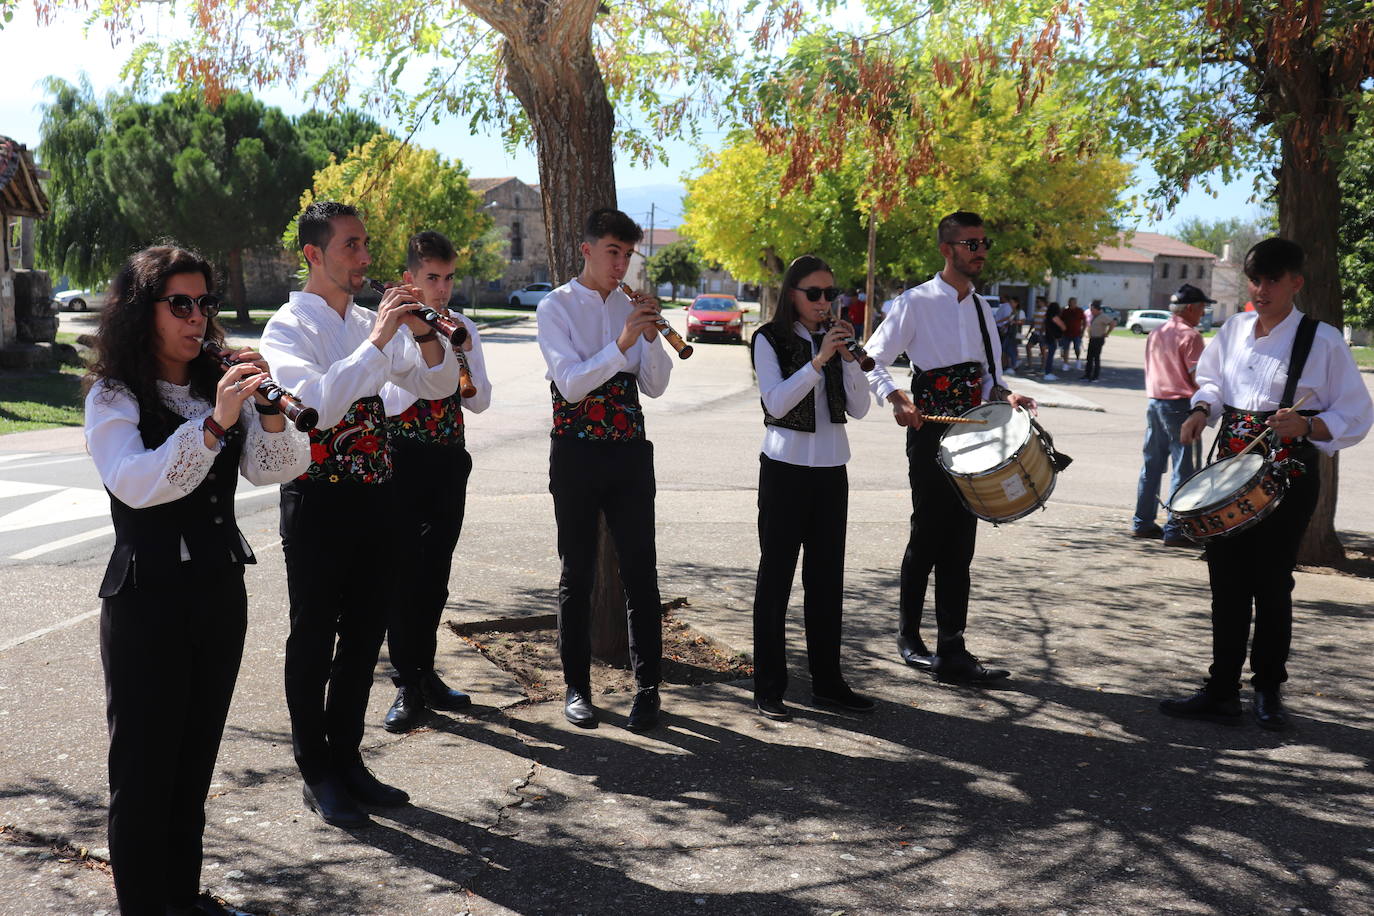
x=1364 y=357
x=40 y=400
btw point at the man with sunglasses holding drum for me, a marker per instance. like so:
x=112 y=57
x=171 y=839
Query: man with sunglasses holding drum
x=948 y=331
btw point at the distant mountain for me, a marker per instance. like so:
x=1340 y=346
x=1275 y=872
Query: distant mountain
x=666 y=200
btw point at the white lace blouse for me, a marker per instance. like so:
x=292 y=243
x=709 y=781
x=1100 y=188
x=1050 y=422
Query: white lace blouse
x=141 y=477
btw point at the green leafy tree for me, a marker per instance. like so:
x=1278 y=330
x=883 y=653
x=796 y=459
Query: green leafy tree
x=220 y=179
x=327 y=133
x=1215 y=235
x=400 y=190
x=676 y=263
x=84 y=237
x=1357 y=225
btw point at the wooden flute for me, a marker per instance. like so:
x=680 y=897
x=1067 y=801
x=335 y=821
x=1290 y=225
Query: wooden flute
x=683 y=348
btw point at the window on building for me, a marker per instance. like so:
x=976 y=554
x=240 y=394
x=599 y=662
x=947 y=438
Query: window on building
x=494 y=286
x=517 y=201
x=1183 y=271
x=1164 y=270
x=517 y=241
x=1073 y=281
x=1125 y=284
x=1199 y=271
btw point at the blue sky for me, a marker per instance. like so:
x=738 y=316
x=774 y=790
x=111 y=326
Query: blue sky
x=28 y=53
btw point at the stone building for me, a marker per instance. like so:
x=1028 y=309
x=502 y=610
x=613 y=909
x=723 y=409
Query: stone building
x=1141 y=273
x=27 y=322
x=518 y=210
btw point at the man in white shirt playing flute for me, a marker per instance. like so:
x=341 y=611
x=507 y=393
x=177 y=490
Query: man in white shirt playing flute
x=1252 y=377
x=948 y=331
x=602 y=350
x=336 y=518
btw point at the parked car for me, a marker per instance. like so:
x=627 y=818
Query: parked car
x=1143 y=321
x=529 y=296
x=715 y=315
x=79 y=300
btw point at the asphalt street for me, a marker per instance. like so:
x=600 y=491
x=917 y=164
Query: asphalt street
x=1065 y=792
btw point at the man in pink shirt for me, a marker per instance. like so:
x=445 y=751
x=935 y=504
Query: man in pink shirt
x=1171 y=354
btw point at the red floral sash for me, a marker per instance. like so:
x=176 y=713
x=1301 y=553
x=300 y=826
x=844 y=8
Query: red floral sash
x=611 y=413
x=949 y=390
x=428 y=421
x=1238 y=427
x=355 y=449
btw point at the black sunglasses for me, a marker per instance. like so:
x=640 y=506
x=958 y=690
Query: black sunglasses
x=974 y=244
x=182 y=304
x=814 y=293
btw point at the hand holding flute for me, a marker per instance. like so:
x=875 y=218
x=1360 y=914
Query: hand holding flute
x=447 y=327
x=246 y=374
x=647 y=319
x=856 y=350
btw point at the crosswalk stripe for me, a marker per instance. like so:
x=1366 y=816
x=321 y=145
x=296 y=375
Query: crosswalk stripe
x=18 y=456
x=10 y=488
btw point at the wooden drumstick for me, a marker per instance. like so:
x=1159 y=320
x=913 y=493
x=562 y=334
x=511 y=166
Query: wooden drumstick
x=1269 y=429
x=937 y=418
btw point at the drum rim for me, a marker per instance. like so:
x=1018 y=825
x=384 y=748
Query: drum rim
x=1254 y=519
x=954 y=429
x=1266 y=466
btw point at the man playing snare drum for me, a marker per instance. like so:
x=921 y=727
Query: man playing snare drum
x=949 y=333
x=1253 y=377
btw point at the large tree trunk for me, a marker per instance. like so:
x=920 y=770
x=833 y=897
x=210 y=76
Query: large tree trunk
x=1309 y=194
x=551 y=69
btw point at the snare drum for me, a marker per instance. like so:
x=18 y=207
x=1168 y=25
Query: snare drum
x=1002 y=469
x=1227 y=496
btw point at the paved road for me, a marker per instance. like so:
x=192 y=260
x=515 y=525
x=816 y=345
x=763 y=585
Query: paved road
x=1064 y=793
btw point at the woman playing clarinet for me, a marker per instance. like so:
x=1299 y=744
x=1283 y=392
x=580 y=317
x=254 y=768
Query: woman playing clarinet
x=808 y=382
x=170 y=430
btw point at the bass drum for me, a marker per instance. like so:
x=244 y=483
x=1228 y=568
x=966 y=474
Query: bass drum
x=1002 y=468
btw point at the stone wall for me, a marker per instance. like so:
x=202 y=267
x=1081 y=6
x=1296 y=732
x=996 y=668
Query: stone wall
x=269 y=274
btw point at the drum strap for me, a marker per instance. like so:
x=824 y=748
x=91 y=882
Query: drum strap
x=1302 y=347
x=1057 y=458
x=987 y=343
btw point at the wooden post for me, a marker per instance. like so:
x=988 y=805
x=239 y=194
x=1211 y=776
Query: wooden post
x=872 y=254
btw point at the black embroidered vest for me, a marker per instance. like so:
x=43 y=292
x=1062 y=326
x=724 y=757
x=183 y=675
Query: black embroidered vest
x=793 y=354
x=437 y=421
x=357 y=449
x=610 y=413
x=148 y=541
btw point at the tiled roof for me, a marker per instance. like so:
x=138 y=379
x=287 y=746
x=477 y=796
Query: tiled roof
x=483 y=185
x=20 y=192
x=1155 y=243
x=1122 y=254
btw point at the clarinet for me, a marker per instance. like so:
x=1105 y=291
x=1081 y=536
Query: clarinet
x=455 y=331
x=866 y=362
x=683 y=348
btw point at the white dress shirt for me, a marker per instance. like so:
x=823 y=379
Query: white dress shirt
x=141 y=477
x=933 y=326
x=1249 y=373
x=577 y=335
x=329 y=363
x=398 y=399
x=828 y=446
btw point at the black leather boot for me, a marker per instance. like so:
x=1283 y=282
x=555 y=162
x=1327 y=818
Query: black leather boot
x=439 y=695
x=406 y=712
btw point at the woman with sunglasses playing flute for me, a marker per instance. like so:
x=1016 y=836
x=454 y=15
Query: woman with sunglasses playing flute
x=170 y=430
x=808 y=382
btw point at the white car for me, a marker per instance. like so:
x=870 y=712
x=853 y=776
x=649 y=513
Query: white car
x=79 y=300
x=529 y=296
x=1143 y=321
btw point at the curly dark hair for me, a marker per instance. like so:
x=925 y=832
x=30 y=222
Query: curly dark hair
x=126 y=344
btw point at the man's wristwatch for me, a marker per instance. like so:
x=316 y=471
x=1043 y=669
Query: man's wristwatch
x=1203 y=408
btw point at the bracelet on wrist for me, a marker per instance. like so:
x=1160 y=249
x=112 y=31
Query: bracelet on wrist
x=427 y=337
x=214 y=429
x=267 y=410
x=1203 y=409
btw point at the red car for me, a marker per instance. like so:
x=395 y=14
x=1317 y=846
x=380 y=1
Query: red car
x=715 y=316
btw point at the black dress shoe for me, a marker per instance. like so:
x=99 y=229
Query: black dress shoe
x=370 y=790
x=578 y=708
x=915 y=653
x=440 y=695
x=841 y=697
x=774 y=710
x=1153 y=531
x=1204 y=705
x=644 y=711
x=1269 y=712
x=406 y=712
x=963 y=668
x=330 y=800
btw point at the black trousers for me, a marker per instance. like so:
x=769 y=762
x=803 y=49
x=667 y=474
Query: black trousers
x=799 y=508
x=943 y=535
x=339 y=543
x=431 y=495
x=171 y=650
x=587 y=480
x=1093 y=367
x=1254 y=570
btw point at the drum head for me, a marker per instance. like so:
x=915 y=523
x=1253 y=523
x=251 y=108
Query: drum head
x=1215 y=483
x=973 y=449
